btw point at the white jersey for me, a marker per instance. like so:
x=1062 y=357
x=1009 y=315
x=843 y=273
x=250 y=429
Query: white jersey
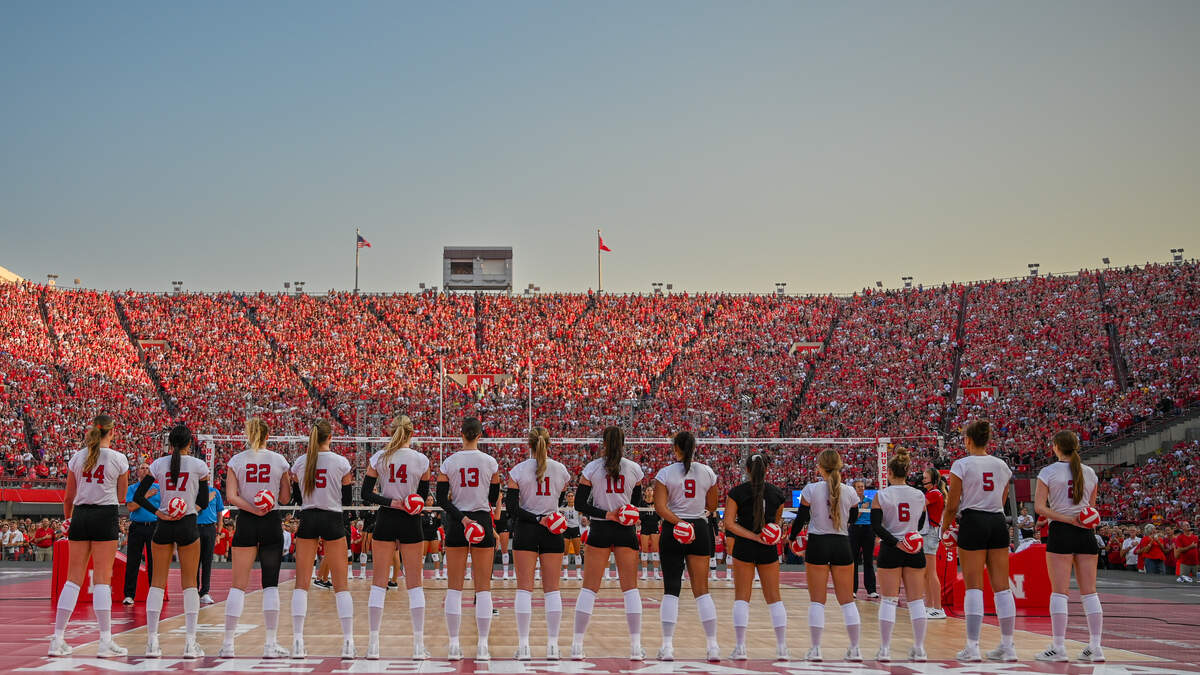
x=984 y=479
x=257 y=470
x=327 y=488
x=98 y=486
x=817 y=496
x=572 y=517
x=1060 y=484
x=687 y=494
x=185 y=484
x=902 y=506
x=612 y=492
x=400 y=474
x=540 y=497
x=470 y=474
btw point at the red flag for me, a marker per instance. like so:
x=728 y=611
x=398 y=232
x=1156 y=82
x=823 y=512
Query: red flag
x=602 y=246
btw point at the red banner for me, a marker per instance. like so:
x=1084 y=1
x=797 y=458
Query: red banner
x=976 y=394
x=31 y=495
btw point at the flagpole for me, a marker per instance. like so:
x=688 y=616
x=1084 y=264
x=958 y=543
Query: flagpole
x=599 y=283
x=441 y=401
x=356 y=249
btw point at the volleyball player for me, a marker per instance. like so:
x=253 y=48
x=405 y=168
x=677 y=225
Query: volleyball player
x=259 y=532
x=897 y=511
x=749 y=507
x=571 y=538
x=96 y=475
x=467 y=490
x=431 y=524
x=832 y=506
x=935 y=503
x=326 y=484
x=186 y=477
x=686 y=491
x=648 y=537
x=978 y=490
x=401 y=472
x=608 y=484
x=1064 y=489
x=535 y=487
x=501 y=520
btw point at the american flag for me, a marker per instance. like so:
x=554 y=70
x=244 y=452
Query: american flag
x=363 y=243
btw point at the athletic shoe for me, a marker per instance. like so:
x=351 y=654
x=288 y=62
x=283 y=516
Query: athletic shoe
x=577 y=651
x=59 y=647
x=482 y=654
x=666 y=653
x=127 y=601
x=644 y=577
x=373 y=647
x=274 y=650
x=323 y=583
x=738 y=653
x=1179 y=580
x=637 y=653
x=564 y=576
x=657 y=575
x=814 y=654
x=873 y=595
x=523 y=653
x=109 y=649
x=552 y=651
x=1090 y=655
x=348 y=649
x=153 y=651
x=917 y=655
x=935 y=613
x=298 y=649
x=227 y=652
x=968 y=655
x=782 y=654
x=883 y=655
x=420 y=653
x=392 y=586
x=1002 y=653
x=192 y=650
x=1052 y=654
x=713 y=653
x=454 y=651
x=206 y=599
x=853 y=655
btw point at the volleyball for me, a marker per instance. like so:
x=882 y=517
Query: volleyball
x=475 y=533
x=1089 y=517
x=950 y=536
x=684 y=532
x=771 y=533
x=555 y=522
x=911 y=542
x=628 y=515
x=177 y=508
x=414 y=504
x=799 y=544
x=265 y=500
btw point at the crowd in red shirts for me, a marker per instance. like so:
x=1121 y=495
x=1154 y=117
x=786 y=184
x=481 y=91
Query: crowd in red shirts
x=722 y=365
x=1163 y=488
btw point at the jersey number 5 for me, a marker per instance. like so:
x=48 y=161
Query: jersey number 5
x=988 y=483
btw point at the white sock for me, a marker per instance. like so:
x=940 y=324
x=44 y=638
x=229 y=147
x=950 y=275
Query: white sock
x=191 y=611
x=668 y=614
x=416 y=609
x=102 y=606
x=916 y=613
x=887 y=621
x=741 y=620
x=345 y=610
x=375 y=602
x=852 y=620
x=524 y=612
x=816 y=622
x=633 y=615
x=453 y=610
x=778 y=622
x=154 y=603
x=973 y=610
x=483 y=614
x=1006 y=616
x=583 y=612
x=1058 y=620
x=233 y=611
x=708 y=617
x=270 y=603
x=554 y=612
x=1095 y=619
x=299 y=611
x=645 y=560
x=66 y=606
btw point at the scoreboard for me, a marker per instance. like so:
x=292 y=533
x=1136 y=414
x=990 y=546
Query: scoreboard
x=477 y=268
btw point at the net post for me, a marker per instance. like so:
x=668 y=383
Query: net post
x=881 y=461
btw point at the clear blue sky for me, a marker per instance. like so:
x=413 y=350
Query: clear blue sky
x=718 y=145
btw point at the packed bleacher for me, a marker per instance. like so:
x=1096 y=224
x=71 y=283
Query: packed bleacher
x=721 y=365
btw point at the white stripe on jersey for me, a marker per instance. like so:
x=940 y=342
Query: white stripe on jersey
x=257 y=470
x=608 y=492
x=902 y=506
x=327 y=493
x=687 y=494
x=400 y=474
x=984 y=478
x=817 y=496
x=1059 y=484
x=186 y=484
x=540 y=497
x=98 y=486
x=470 y=475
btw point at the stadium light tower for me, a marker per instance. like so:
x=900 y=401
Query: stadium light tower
x=299 y=286
x=1106 y=261
x=1033 y=269
x=907 y=282
x=656 y=287
x=1177 y=255
x=51 y=279
x=176 y=286
x=780 y=287
x=878 y=284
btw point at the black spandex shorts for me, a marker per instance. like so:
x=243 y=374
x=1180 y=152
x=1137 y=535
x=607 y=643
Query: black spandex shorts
x=95 y=522
x=501 y=524
x=891 y=557
x=982 y=530
x=179 y=532
x=607 y=534
x=572 y=533
x=754 y=552
x=320 y=524
x=827 y=549
x=255 y=530
x=456 y=537
x=701 y=545
x=1068 y=539
x=534 y=537
x=398 y=526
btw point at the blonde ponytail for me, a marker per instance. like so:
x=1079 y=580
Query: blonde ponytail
x=320 y=434
x=831 y=462
x=402 y=431
x=539 y=442
x=256 y=433
x=101 y=427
